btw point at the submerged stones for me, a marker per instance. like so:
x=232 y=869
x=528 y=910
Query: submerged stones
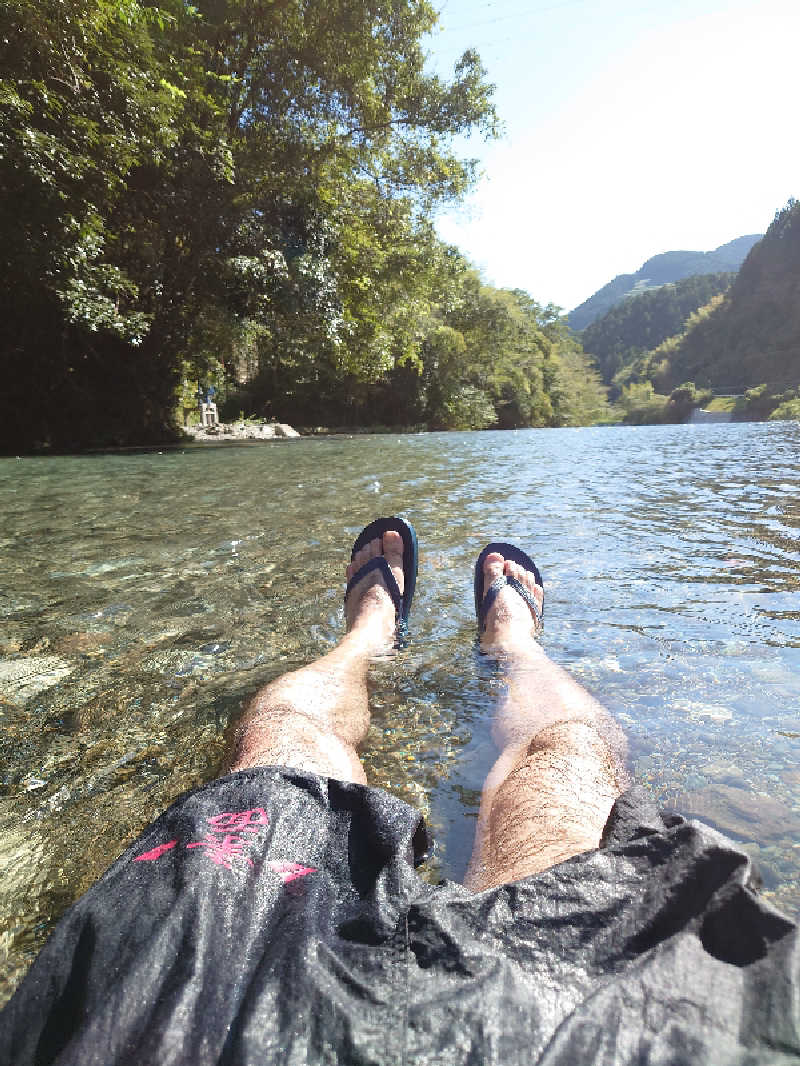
x=85 y=644
x=22 y=679
x=740 y=813
x=711 y=711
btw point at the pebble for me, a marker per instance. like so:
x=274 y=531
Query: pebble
x=725 y=774
x=711 y=711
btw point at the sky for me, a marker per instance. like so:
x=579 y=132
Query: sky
x=632 y=127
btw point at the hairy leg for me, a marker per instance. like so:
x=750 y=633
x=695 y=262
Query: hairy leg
x=549 y=794
x=315 y=718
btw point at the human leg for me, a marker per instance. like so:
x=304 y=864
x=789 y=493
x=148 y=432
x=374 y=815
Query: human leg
x=550 y=791
x=315 y=718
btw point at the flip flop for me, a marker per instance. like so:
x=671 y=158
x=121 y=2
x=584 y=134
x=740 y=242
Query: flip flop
x=483 y=602
x=402 y=600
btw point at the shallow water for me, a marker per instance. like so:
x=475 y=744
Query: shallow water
x=145 y=596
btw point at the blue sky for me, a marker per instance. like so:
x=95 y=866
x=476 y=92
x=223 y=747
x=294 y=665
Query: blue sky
x=632 y=128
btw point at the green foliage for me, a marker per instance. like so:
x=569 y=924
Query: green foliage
x=732 y=343
x=644 y=406
x=174 y=179
x=621 y=338
x=243 y=195
x=754 y=334
x=468 y=407
x=518 y=355
x=786 y=410
x=765 y=402
x=663 y=269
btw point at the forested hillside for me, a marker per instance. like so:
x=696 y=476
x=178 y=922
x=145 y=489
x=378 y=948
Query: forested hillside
x=642 y=322
x=237 y=192
x=753 y=336
x=711 y=335
x=661 y=270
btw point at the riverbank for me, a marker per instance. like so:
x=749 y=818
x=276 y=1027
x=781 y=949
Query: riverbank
x=234 y=431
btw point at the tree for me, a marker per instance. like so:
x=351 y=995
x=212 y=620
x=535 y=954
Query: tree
x=177 y=177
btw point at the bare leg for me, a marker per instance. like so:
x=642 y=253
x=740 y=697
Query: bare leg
x=549 y=794
x=315 y=718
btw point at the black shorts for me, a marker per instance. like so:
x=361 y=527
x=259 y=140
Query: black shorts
x=274 y=916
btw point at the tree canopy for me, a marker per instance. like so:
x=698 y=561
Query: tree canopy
x=753 y=335
x=191 y=189
x=642 y=322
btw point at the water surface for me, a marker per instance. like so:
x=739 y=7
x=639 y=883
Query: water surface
x=145 y=596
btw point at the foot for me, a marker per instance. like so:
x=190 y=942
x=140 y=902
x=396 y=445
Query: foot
x=369 y=609
x=510 y=623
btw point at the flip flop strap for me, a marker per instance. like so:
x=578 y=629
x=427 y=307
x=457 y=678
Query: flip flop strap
x=378 y=562
x=493 y=592
x=517 y=586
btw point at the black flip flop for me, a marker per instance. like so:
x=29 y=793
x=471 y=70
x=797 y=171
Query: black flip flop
x=483 y=602
x=402 y=600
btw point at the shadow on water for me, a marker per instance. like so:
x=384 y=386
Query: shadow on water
x=147 y=596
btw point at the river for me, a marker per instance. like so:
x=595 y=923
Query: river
x=146 y=595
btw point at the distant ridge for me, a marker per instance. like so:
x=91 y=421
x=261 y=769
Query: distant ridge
x=661 y=270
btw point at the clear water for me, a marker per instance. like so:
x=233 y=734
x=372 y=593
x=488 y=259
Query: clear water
x=145 y=596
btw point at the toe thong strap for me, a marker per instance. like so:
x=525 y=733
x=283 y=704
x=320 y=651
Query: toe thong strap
x=379 y=562
x=494 y=589
x=491 y=595
x=517 y=586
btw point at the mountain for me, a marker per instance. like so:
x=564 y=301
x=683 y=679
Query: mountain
x=661 y=270
x=643 y=321
x=753 y=337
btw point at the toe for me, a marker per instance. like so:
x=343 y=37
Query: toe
x=512 y=569
x=363 y=555
x=492 y=569
x=393 y=550
x=526 y=578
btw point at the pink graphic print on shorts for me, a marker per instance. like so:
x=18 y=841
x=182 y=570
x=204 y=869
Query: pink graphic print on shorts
x=230 y=835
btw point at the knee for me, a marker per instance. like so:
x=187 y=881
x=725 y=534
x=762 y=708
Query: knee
x=567 y=737
x=578 y=749
x=277 y=720
x=279 y=735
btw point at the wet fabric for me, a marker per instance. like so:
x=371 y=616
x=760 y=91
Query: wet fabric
x=276 y=917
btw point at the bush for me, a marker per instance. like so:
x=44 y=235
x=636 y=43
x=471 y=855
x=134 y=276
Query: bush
x=467 y=408
x=787 y=409
x=684 y=399
x=763 y=402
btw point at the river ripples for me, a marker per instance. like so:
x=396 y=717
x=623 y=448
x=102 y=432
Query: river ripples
x=145 y=596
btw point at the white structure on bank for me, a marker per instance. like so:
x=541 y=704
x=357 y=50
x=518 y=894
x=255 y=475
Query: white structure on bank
x=209 y=417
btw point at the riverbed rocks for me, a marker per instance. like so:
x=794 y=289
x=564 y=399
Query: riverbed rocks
x=84 y=644
x=740 y=813
x=22 y=679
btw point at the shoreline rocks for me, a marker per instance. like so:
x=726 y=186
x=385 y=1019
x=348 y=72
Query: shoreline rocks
x=230 y=431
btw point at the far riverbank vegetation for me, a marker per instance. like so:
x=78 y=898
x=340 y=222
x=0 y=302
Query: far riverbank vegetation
x=244 y=196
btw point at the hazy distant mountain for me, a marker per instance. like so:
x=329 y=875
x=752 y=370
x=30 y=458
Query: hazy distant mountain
x=661 y=270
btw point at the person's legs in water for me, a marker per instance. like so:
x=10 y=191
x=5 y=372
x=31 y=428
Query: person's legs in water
x=560 y=769
x=315 y=718
x=548 y=795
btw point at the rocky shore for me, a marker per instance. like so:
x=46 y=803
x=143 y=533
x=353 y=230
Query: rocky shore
x=230 y=431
